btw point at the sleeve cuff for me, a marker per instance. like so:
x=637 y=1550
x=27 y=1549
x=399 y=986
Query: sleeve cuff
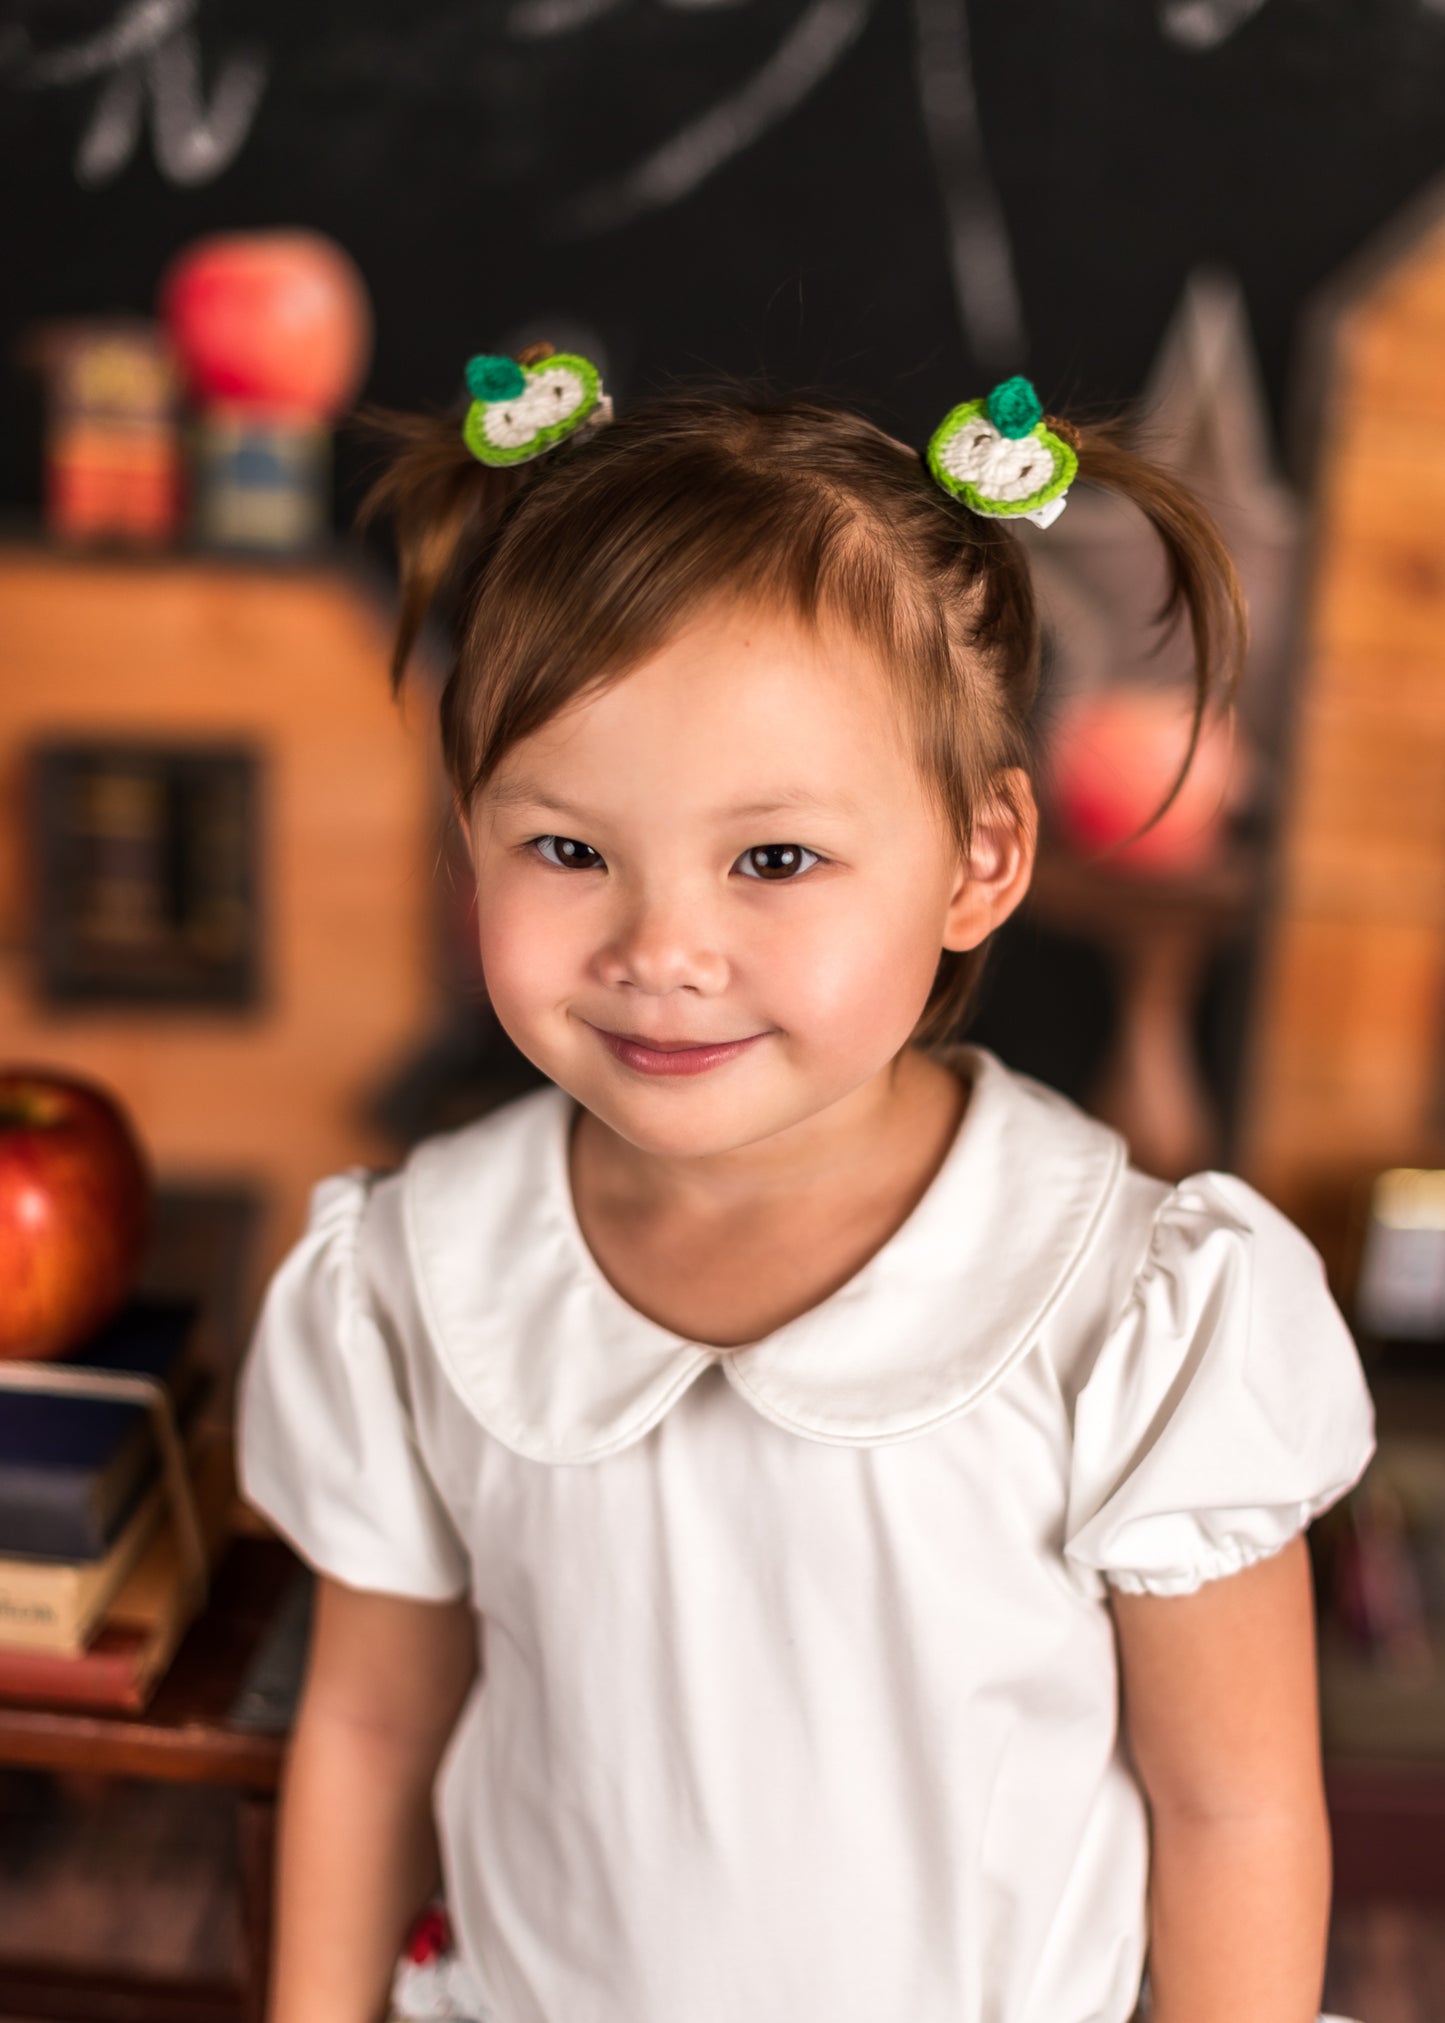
x=1225 y=1560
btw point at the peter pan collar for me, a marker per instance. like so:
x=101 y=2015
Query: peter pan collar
x=557 y=1366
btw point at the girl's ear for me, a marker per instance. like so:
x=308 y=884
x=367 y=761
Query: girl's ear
x=994 y=874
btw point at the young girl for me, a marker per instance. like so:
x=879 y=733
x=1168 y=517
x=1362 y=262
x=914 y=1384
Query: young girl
x=834 y=1526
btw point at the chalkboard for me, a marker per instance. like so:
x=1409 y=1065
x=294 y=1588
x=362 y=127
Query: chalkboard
x=893 y=199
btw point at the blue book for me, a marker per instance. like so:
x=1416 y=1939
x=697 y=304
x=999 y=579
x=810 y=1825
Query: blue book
x=73 y=1469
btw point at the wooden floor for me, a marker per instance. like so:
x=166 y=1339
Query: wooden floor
x=144 y=1876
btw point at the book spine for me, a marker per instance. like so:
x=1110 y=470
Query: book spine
x=115 y=1673
x=146 y=1618
x=66 y=1514
x=50 y=1607
x=56 y=1514
x=40 y=1606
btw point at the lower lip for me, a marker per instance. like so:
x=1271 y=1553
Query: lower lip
x=673 y=1060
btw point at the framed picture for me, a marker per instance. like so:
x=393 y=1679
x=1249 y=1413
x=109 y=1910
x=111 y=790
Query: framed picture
x=145 y=885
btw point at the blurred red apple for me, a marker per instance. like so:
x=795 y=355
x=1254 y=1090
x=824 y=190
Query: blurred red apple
x=1113 y=758
x=278 y=322
x=74 y=1210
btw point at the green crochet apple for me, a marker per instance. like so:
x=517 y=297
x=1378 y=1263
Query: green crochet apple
x=518 y=411
x=1001 y=458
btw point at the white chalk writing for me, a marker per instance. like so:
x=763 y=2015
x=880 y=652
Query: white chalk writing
x=697 y=150
x=150 y=55
x=980 y=258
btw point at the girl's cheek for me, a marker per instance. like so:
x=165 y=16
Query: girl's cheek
x=855 y=969
x=526 y=936
x=861 y=998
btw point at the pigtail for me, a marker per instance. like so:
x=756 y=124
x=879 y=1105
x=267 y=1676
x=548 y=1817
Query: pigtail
x=444 y=505
x=1203 y=589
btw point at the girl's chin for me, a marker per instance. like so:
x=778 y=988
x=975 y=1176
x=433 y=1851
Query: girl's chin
x=685 y=1122
x=692 y=1117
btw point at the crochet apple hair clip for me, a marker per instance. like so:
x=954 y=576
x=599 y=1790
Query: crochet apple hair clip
x=1000 y=457
x=518 y=410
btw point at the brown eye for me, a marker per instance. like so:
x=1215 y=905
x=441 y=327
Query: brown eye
x=567 y=852
x=776 y=861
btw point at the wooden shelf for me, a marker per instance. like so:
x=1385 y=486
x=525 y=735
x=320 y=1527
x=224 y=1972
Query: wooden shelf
x=185 y=1735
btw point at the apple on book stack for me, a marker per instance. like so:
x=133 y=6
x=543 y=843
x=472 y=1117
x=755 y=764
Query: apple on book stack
x=96 y=1586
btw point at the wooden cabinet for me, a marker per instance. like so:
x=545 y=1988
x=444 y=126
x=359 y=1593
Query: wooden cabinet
x=289 y=663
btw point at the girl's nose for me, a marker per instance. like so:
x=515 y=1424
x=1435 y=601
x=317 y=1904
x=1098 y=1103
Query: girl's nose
x=662 y=945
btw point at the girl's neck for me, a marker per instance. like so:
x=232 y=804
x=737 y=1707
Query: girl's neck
x=723 y=1251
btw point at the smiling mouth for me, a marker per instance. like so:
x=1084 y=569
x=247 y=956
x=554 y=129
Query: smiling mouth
x=650 y=1056
x=672 y=1046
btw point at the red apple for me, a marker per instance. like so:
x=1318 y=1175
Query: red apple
x=74 y=1210
x=278 y=322
x=1113 y=758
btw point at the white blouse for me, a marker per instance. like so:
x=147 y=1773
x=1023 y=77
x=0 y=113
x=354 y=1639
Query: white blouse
x=800 y=1699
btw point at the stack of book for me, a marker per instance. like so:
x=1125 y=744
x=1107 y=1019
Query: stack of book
x=96 y=1585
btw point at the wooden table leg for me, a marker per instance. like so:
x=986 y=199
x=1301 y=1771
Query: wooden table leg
x=257 y=1826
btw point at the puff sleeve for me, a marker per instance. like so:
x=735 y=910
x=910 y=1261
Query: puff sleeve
x=1225 y=1409
x=327 y=1445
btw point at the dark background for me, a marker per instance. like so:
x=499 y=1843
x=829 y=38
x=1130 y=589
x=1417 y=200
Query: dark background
x=463 y=161
x=470 y=157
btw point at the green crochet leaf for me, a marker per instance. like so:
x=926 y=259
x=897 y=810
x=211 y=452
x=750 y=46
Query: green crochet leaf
x=548 y=402
x=1014 y=408
x=490 y=378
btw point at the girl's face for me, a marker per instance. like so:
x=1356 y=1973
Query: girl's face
x=712 y=896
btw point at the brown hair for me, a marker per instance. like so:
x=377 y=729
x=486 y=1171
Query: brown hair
x=573 y=569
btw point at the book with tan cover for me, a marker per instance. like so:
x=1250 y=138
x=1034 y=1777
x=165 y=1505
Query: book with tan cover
x=142 y=1629
x=50 y=1606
